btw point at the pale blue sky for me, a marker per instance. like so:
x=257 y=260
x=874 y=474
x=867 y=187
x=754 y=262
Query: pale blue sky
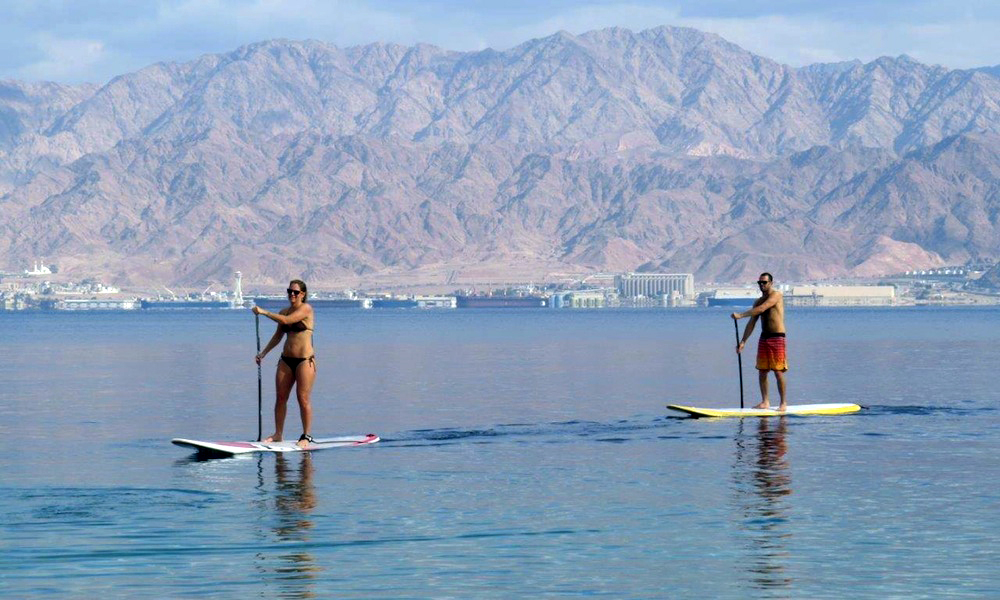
x=93 y=40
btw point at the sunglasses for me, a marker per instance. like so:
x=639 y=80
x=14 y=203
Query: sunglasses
x=763 y=282
x=292 y=292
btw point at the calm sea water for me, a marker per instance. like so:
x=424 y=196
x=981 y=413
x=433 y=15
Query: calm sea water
x=525 y=451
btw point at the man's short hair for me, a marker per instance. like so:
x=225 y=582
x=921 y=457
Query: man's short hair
x=768 y=275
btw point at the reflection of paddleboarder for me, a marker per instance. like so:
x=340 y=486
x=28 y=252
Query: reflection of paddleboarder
x=772 y=471
x=298 y=362
x=288 y=560
x=770 y=308
x=296 y=496
x=763 y=481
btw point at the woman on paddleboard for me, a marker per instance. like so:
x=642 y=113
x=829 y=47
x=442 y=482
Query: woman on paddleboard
x=297 y=365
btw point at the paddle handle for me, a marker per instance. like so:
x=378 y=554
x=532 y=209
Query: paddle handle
x=260 y=392
x=739 y=359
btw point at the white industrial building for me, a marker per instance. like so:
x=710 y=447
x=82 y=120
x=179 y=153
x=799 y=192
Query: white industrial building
x=655 y=285
x=840 y=295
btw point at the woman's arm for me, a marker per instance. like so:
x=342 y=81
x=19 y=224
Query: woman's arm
x=293 y=317
x=275 y=339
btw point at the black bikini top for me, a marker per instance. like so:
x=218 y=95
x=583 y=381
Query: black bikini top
x=295 y=327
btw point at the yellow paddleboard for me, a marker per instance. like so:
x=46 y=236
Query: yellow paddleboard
x=801 y=409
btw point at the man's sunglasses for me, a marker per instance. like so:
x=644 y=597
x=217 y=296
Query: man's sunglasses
x=763 y=282
x=292 y=292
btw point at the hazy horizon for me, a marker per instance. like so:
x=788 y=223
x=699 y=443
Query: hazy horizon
x=92 y=41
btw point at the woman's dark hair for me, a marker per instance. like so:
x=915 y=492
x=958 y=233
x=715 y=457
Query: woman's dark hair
x=302 y=286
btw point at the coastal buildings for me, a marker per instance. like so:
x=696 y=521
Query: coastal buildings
x=205 y=299
x=596 y=298
x=10 y=301
x=807 y=295
x=38 y=269
x=630 y=290
x=840 y=295
x=655 y=285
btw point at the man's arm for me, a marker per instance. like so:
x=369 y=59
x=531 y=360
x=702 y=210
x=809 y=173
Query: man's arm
x=761 y=308
x=746 y=334
x=749 y=329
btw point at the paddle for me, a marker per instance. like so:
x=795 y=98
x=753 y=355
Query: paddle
x=260 y=418
x=739 y=359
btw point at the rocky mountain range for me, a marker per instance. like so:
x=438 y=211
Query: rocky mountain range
x=668 y=149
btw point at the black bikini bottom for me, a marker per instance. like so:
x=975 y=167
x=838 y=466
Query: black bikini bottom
x=293 y=362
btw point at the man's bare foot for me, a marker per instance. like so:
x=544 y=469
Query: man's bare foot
x=305 y=441
x=763 y=406
x=782 y=408
x=272 y=438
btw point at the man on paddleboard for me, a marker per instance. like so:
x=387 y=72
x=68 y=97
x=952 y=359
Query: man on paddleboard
x=770 y=308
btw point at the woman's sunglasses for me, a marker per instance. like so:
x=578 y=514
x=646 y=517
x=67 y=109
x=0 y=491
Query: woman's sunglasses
x=292 y=292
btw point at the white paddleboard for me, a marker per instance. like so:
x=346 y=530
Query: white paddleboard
x=801 y=409
x=233 y=448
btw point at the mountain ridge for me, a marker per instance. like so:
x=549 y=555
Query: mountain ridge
x=611 y=150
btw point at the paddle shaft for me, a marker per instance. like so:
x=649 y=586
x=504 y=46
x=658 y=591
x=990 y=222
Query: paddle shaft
x=739 y=359
x=260 y=416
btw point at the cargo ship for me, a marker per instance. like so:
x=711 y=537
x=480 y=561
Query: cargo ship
x=279 y=302
x=185 y=304
x=501 y=302
x=393 y=303
x=731 y=298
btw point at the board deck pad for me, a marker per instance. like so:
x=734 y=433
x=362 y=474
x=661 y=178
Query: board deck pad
x=233 y=448
x=800 y=409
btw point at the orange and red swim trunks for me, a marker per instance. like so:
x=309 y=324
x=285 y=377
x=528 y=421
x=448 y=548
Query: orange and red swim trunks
x=771 y=352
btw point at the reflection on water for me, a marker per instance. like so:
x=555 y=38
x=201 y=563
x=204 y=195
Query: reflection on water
x=762 y=481
x=293 y=500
